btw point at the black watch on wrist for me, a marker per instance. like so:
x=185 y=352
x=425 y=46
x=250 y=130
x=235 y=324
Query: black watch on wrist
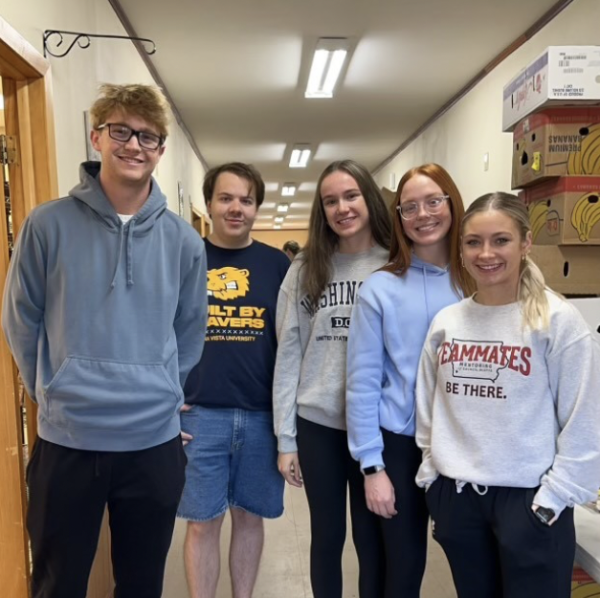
x=544 y=514
x=373 y=469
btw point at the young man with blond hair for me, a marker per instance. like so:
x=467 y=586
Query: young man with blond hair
x=105 y=311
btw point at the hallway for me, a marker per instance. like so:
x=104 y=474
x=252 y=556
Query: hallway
x=284 y=570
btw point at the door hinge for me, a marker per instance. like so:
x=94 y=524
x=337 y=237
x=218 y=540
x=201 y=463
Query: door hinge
x=8 y=149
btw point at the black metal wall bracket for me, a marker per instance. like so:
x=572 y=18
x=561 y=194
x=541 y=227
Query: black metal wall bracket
x=83 y=40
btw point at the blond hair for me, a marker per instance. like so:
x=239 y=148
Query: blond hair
x=146 y=101
x=531 y=291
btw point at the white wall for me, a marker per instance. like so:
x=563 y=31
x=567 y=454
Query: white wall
x=473 y=127
x=75 y=80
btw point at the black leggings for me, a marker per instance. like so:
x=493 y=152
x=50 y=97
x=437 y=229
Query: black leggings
x=328 y=469
x=69 y=490
x=405 y=534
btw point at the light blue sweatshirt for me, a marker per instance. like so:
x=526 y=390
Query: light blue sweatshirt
x=106 y=320
x=387 y=331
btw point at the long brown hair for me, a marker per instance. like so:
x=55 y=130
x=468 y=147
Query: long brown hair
x=401 y=245
x=531 y=291
x=322 y=241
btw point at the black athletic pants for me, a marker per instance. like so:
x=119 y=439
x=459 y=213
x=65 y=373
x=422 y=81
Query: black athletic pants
x=496 y=546
x=405 y=534
x=328 y=470
x=68 y=492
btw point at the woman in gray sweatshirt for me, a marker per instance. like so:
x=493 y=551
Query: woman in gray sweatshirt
x=508 y=417
x=349 y=236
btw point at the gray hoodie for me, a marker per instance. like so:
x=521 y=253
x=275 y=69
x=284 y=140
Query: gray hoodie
x=106 y=320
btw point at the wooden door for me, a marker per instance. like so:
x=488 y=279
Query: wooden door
x=14 y=552
x=32 y=179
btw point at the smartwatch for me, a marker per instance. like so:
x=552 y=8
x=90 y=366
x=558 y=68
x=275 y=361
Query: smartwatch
x=372 y=469
x=544 y=514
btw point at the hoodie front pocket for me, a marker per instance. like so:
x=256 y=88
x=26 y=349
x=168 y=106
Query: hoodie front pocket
x=91 y=393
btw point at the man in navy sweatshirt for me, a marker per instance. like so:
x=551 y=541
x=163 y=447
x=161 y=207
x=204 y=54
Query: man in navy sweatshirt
x=105 y=311
x=228 y=416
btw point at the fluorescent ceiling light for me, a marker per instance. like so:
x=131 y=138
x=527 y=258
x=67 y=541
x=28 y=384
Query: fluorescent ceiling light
x=279 y=219
x=327 y=64
x=277 y=226
x=288 y=190
x=283 y=207
x=300 y=156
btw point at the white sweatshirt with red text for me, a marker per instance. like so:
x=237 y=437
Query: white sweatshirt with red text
x=500 y=405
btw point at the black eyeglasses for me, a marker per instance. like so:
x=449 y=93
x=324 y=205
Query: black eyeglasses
x=123 y=133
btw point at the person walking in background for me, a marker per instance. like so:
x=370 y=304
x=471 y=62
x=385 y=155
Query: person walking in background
x=349 y=235
x=291 y=249
x=105 y=314
x=228 y=416
x=508 y=417
x=389 y=323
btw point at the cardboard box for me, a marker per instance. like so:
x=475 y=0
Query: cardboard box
x=582 y=585
x=571 y=270
x=557 y=142
x=561 y=75
x=565 y=211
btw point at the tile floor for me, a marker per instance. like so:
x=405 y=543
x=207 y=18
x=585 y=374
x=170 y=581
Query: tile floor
x=284 y=570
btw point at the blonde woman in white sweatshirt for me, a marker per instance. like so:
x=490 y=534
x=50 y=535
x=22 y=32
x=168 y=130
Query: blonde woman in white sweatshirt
x=508 y=417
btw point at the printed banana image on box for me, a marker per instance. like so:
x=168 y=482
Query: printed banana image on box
x=565 y=211
x=555 y=143
x=583 y=586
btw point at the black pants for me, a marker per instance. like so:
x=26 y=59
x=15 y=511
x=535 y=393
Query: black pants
x=69 y=490
x=328 y=469
x=405 y=534
x=496 y=546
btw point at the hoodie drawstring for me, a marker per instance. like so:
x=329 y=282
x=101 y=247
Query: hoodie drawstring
x=128 y=253
x=426 y=294
x=114 y=280
x=476 y=487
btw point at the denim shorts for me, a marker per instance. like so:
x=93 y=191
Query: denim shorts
x=232 y=462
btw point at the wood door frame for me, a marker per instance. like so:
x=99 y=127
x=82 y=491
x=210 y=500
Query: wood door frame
x=33 y=179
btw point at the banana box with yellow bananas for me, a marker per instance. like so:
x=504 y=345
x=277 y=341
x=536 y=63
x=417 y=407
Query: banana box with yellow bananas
x=583 y=586
x=556 y=142
x=565 y=211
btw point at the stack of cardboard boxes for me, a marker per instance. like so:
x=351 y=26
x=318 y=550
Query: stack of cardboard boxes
x=553 y=109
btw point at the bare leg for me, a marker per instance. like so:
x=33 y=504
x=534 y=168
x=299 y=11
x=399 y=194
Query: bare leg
x=247 y=539
x=202 y=557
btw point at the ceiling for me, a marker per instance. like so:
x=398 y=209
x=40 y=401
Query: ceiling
x=236 y=70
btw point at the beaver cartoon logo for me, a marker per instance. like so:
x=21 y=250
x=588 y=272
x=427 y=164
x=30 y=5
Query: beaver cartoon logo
x=228 y=283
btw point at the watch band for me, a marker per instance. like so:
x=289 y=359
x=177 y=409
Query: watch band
x=373 y=469
x=544 y=514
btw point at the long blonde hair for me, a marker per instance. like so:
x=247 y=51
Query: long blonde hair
x=531 y=291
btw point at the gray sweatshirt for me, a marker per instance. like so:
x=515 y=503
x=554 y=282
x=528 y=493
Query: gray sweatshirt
x=310 y=371
x=501 y=406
